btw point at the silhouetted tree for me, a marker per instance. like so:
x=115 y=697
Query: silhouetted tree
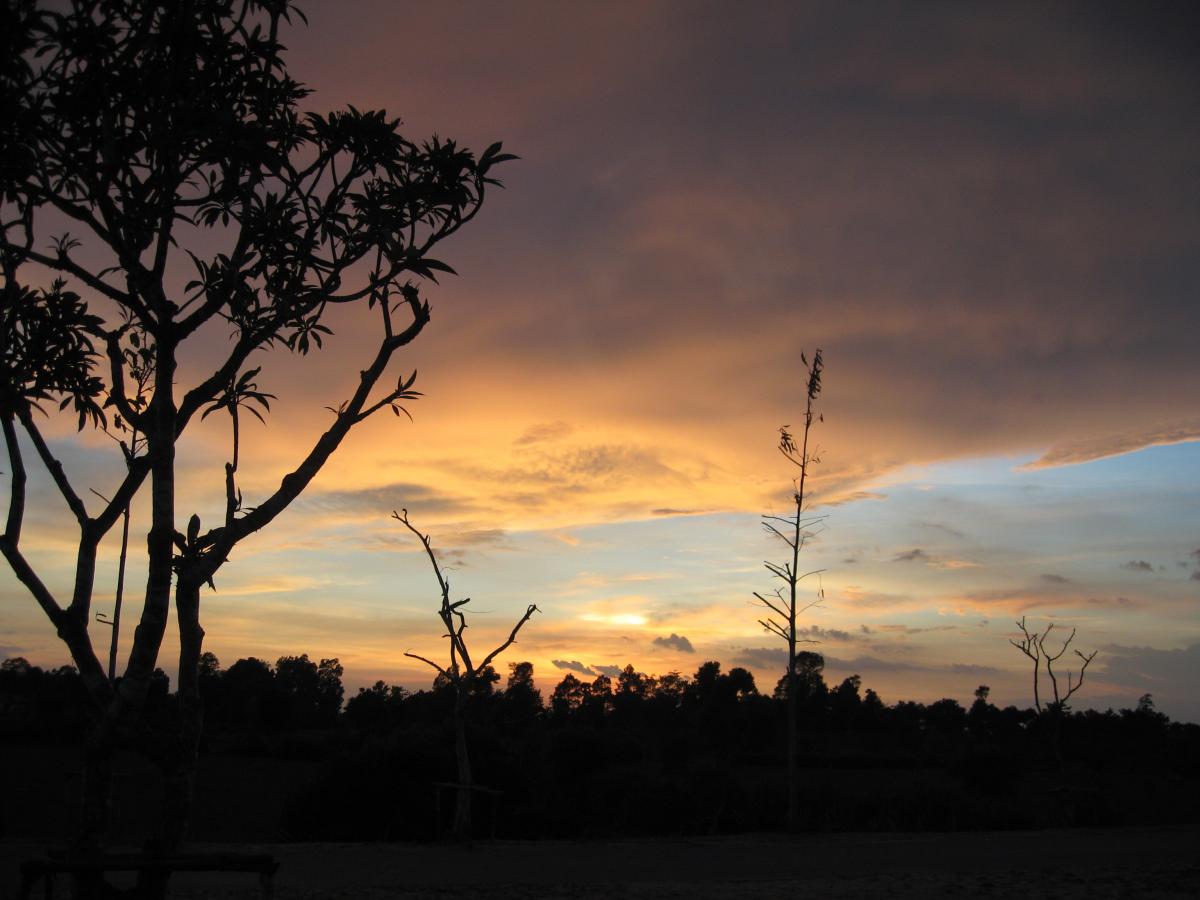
x=784 y=605
x=157 y=130
x=376 y=708
x=1033 y=645
x=597 y=699
x=248 y=686
x=313 y=692
x=981 y=715
x=463 y=676
x=568 y=696
x=844 y=702
x=522 y=703
x=807 y=676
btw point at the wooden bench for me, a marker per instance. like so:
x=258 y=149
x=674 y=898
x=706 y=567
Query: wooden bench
x=96 y=864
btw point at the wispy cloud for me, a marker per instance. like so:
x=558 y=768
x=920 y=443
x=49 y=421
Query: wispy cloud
x=544 y=432
x=1092 y=448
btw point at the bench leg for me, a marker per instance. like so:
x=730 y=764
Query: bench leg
x=265 y=882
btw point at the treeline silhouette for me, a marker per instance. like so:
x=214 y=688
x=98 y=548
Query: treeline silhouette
x=639 y=754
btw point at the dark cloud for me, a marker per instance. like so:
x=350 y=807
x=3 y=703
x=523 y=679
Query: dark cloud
x=849 y=561
x=761 y=657
x=610 y=671
x=572 y=665
x=874 y=664
x=1137 y=565
x=1119 y=602
x=579 y=470
x=475 y=538
x=913 y=629
x=971 y=669
x=667 y=511
x=865 y=600
x=543 y=432
x=381 y=501
x=675 y=642
x=1055 y=579
x=940 y=527
x=1008 y=173
x=1196 y=575
x=776 y=658
x=851 y=497
x=817 y=633
x=915 y=555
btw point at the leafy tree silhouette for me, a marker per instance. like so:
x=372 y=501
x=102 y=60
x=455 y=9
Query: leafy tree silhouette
x=139 y=138
x=522 y=702
x=314 y=692
x=568 y=696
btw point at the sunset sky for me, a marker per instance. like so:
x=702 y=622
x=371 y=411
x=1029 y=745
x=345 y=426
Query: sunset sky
x=988 y=217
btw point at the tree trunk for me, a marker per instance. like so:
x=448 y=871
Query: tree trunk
x=116 y=619
x=462 y=805
x=181 y=774
x=793 y=811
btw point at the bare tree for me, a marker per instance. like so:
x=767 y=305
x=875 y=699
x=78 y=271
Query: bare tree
x=170 y=138
x=784 y=605
x=461 y=673
x=1033 y=645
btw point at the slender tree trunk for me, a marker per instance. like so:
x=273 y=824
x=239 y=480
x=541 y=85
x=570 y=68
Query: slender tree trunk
x=462 y=806
x=116 y=619
x=793 y=807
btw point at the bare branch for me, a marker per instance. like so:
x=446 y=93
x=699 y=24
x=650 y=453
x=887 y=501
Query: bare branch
x=777 y=610
x=772 y=626
x=429 y=662
x=512 y=637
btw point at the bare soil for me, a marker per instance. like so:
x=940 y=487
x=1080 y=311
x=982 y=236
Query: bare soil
x=1064 y=865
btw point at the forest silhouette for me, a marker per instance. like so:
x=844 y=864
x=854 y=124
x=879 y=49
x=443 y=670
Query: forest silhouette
x=634 y=755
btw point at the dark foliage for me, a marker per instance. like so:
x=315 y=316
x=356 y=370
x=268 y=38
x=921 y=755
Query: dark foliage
x=654 y=756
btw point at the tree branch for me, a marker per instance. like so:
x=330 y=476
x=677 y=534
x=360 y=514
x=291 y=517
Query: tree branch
x=55 y=469
x=512 y=638
x=430 y=662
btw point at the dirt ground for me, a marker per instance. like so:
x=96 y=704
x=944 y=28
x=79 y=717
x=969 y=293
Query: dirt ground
x=1064 y=865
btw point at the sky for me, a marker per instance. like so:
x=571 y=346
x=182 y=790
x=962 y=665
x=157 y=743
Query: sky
x=988 y=217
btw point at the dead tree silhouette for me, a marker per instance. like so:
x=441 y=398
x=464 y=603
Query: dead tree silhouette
x=1033 y=645
x=784 y=605
x=461 y=673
